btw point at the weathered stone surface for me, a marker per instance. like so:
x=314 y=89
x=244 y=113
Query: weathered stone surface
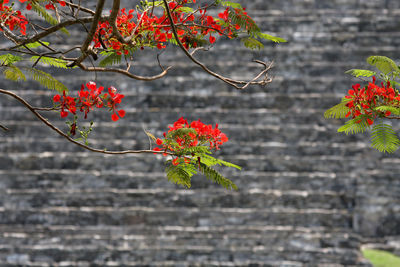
x=308 y=196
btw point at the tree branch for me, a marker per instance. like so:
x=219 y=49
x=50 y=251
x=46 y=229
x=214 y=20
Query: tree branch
x=54 y=128
x=92 y=31
x=126 y=72
x=22 y=41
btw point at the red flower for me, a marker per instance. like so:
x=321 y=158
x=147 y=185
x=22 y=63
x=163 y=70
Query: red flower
x=212 y=39
x=175 y=161
x=56 y=98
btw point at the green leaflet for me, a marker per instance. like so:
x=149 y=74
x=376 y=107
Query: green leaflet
x=211 y=161
x=384 y=64
x=338 y=111
x=184 y=9
x=384 y=138
x=270 y=37
x=180 y=174
x=111 y=59
x=393 y=110
x=8 y=59
x=46 y=80
x=229 y=4
x=55 y=62
x=252 y=43
x=13 y=73
x=47 y=17
x=352 y=127
x=36 y=44
x=361 y=73
x=244 y=21
x=216 y=177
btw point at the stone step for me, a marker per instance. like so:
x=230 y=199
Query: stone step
x=262 y=116
x=172 y=216
x=246 y=180
x=176 y=253
x=227 y=237
x=17 y=260
x=135 y=162
x=172 y=100
x=19 y=144
x=158 y=198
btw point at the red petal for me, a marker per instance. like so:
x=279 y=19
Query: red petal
x=212 y=39
x=121 y=113
x=114 y=117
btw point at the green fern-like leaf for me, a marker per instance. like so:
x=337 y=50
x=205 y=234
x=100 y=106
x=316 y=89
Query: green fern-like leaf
x=47 y=17
x=55 y=62
x=180 y=175
x=111 y=59
x=8 y=59
x=46 y=80
x=338 y=111
x=269 y=37
x=252 y=43
x=354 y=126
x=13 y=73
x=384 y=138
x=211 y=161
x=244 y=21
x=384 y=64
x=393 y=110
x=361 y=73
x=216 y=177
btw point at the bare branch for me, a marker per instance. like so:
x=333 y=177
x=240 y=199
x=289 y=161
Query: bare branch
x=4 y=128
x=234 y=83
x=54 y=128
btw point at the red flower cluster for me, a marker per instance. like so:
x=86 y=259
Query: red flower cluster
x=147 y=29
x=364 y=101
x=202 y=135
x=89 y=97
x=12 y=19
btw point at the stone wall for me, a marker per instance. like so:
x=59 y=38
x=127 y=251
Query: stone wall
x=308 y=196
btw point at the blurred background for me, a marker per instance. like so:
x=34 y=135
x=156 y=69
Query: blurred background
x=308 y=196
